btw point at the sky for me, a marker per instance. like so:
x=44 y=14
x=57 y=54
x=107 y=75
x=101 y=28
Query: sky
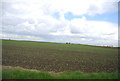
x=92 y=22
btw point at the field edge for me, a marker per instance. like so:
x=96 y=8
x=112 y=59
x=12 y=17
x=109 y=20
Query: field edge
x=10 y=72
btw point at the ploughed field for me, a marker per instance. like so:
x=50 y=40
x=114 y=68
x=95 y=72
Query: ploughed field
x=58 y=57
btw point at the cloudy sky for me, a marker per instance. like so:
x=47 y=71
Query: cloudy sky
x=93 y=22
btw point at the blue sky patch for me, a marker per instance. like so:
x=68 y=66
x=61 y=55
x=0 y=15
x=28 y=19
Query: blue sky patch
x=109 y=17
x=56 y=15
x=70 y=16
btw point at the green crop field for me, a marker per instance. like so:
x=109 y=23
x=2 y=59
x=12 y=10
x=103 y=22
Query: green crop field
x=59 y=57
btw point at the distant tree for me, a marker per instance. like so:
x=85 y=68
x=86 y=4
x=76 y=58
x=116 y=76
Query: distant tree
x=68 y=43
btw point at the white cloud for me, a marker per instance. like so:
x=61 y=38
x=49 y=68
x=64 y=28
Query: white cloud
x=77 y=7
x=19 y=37
x=93 y=29
x=33 y=19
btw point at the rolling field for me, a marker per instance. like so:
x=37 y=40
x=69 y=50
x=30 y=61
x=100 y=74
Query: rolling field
x=56 y=57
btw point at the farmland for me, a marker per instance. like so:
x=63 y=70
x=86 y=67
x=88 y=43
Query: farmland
x=59 y=57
